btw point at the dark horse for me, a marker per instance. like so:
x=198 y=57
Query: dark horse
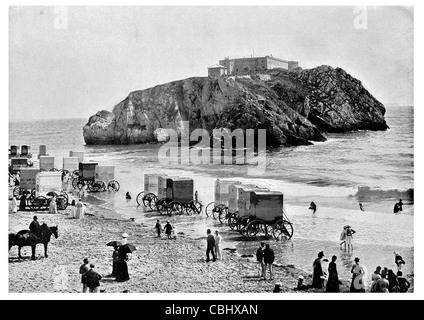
x=26 y=238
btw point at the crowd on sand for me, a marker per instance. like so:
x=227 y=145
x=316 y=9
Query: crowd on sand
x=383 y=279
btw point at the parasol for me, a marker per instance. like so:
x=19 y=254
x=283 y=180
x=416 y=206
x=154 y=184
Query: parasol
x=127 y=248
x=114 y=244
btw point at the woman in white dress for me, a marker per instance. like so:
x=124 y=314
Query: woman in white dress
x=14 y=205
x=53 y=206
x=79 y=210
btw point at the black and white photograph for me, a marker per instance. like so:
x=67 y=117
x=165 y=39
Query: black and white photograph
x=211 y=149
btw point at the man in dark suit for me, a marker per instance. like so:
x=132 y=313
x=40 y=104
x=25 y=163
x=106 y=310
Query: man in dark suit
x=210 y=248
x=34 y=226
x=83 y=269
x=92 y=278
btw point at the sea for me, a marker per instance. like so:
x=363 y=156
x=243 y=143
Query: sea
x=374 y=168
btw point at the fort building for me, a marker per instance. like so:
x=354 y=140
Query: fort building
x=249 y=65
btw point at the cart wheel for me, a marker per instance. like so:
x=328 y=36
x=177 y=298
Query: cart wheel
x=61 y=202
x=139 y=198
x=176 y=207
x=75 y=183
x=209 y=209
x=282 y=230
x=149 y=200
x=256 y=229
x=223 y=214
x=217 y=211
x=196 y=206
x=65 y=194
x=242 y=223
x=113 y=186
x=39 y=203
x=161 y=206
x=232 y=220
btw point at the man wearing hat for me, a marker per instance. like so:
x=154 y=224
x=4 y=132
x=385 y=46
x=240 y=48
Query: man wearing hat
x=34 y=226
x=83 y=269
x=92 y=278
x=317 y=279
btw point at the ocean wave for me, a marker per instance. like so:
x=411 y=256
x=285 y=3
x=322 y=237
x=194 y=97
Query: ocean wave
x=367 y=193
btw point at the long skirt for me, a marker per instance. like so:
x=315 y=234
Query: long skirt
x=122 y=271
x=333 y=283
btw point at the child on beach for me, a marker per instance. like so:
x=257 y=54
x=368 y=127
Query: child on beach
x=158 y=228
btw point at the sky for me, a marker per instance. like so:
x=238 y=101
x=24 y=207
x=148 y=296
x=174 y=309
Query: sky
x=70 y=62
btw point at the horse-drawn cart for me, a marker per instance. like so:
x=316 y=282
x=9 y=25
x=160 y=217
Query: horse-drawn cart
x=261 y=215
x=88 y=175
x=169 y=195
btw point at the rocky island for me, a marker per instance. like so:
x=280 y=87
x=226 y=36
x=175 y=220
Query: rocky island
x=296 y=107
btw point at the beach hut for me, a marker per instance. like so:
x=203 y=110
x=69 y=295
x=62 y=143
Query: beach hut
x=180 y=189
x=88 y=169
x=78 y=154
x=70 y=164
x=222 y=191
x=42 y=150
x=46 y=163
x=234 y=193
x=262 y=204
x=48 y=182
x=28 y=178
x=25 y=151
x=17 y=164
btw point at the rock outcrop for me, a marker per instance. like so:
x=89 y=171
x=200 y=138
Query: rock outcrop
x=295 y=107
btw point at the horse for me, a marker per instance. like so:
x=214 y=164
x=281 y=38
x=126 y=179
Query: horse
x=25 y=238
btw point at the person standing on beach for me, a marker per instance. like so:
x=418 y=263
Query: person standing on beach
x=79 y=211
x=168 y=229
x=82 y=270
x=158 y=228
x=210 y=246
x=349 y=236
x=317 y=280
x=92 y=278
x=260 y=258
x=398 y=260
x=122 y=274
x=22 y=202
x=268 y=260
x=357 y=284
x=382 y=283
x=333 y=277
x=124 y=238
x=53 y=205
x=218 y=240
x=14 y=205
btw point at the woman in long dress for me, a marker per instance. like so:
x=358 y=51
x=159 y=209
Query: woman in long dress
x=121 y=266
x=79 y=211
x=14 y=205
x=53 y=206
x=317 y=280
x=358 y=272
x=333 y=277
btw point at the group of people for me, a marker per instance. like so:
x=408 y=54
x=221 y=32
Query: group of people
x=213 y=246
x=382 y=280
x=386 y=281
x=265 y=257
x=90 y=278
x=346 y=237
x=170 y=231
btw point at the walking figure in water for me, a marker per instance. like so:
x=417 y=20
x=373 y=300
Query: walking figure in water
x=313 y=207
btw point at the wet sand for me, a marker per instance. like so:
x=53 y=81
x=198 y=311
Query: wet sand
x=159 y=265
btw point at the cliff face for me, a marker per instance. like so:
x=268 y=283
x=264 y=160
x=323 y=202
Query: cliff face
x=295 y=107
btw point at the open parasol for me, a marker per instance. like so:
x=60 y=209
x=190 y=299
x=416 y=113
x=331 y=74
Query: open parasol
x=128 y=248
x=114 y=244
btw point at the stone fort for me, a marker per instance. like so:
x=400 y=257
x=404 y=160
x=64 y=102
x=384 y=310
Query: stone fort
x=250 y=65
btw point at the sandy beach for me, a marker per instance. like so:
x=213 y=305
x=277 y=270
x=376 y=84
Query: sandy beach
x=159 y=265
